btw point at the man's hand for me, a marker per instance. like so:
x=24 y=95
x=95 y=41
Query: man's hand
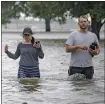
x=83 y=47
x=94 y=52
x=75 y=48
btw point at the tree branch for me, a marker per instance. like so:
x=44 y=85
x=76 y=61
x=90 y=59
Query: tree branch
x=102 y=23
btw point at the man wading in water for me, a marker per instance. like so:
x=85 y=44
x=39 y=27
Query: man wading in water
x=83 y=45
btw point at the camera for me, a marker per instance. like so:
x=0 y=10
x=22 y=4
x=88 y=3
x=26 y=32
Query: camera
x=93 y=46
x=37 y=42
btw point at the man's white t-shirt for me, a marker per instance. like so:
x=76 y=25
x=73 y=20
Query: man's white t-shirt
x=81 y=58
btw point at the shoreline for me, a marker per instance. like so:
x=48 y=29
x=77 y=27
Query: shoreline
x=45 y=35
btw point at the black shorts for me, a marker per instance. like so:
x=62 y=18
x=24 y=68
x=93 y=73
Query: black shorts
x=87 y=71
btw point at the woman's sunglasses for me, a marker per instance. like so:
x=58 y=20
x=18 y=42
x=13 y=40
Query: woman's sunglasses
x=26 y=34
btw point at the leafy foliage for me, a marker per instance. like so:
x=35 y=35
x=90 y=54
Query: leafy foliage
x=11 y=9
x=46 y=9
x=55 y=10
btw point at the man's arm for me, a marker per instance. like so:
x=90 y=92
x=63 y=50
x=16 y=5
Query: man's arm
x=97 y=50
x=70 y=48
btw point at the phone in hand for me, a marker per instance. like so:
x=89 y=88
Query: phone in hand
x=37 y=42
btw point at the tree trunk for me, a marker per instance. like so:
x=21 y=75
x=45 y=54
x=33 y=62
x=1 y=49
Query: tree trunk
x=96 y=26
x=47 y=23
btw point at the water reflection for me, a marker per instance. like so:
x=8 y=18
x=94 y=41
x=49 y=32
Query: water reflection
x=29 y=84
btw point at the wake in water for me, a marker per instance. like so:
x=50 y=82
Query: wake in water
x=29 y=81
x=29 y=84
x=77 y=77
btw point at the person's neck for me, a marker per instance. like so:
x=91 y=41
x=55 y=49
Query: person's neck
x=83 y=30
x=27 y=42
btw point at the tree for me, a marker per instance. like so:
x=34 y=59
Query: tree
x=6 y=14
x=11 y=9
x=50 y=10
x=95 y=9
x=47 y=10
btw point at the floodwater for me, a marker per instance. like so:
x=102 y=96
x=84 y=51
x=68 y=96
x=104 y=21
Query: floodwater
x=54 y=86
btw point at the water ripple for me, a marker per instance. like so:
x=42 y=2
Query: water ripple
x=54 y=86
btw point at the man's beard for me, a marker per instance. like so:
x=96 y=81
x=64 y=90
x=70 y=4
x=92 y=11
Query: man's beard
x=83 y=28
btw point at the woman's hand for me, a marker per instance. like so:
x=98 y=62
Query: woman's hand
x=37 y=44
x=6 y=48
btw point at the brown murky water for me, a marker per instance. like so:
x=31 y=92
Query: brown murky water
x=54 y=87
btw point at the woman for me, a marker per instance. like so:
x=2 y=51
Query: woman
x=29 y=50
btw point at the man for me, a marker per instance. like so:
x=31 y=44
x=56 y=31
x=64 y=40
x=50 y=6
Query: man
x=78 y=44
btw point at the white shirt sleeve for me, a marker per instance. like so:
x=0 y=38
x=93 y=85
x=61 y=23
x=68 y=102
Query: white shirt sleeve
x=70 y=40
x=96 y=39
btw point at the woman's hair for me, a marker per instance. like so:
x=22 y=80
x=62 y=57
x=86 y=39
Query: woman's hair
x=33 y=40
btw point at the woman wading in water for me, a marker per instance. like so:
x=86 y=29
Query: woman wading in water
x=29 y=52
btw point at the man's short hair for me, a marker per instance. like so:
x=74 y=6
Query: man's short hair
x=83 y=16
